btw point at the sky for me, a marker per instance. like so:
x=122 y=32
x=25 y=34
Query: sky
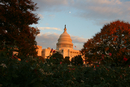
x=83 y=19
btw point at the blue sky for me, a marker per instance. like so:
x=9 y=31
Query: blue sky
x=83 y=19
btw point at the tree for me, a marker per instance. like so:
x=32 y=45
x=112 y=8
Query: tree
x=66 y=60
x=41 y=59
x=56 y=58
x=15 y=19
x=77 y=60
x=112 y=42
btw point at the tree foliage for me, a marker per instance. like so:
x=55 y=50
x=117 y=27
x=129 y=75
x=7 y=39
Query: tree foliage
x=56 y=58
x=15 y=19
x=112 y=41
x=77 y=60
x=31 y=72
x=66 y=60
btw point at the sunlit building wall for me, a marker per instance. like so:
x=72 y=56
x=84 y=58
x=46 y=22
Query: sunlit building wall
x=39 y=50
x=64 y=46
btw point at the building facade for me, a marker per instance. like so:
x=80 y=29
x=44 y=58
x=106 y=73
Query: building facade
x=63 y=46
x=39 y=50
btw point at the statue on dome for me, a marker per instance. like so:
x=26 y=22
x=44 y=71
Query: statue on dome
x=65 y=28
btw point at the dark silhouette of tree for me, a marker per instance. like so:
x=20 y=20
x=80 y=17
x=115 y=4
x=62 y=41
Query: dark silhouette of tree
x=77 y=60
x=112 y=42
x=16 y=16
x=66 y=60
x=41 y=59
x=56 y=58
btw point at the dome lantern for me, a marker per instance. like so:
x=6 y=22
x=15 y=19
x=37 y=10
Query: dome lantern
x=65 y=29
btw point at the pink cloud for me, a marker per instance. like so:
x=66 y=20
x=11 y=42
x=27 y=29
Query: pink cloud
x=50 y=39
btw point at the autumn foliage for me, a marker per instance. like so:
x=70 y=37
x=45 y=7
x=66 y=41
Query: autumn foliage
x=31 y=72
x=15 y=31
x=56 y=58
x=111 y=43
x=77 y=60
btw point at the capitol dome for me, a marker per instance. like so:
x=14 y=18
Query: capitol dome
x=64 y=41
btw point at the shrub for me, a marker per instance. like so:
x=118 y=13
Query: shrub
x=77 y=60
x=56 y=58
x=66 y=60
x=32 y=73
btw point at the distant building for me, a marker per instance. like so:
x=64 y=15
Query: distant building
x=46 y=52
x=64 y=46
x=39 y=50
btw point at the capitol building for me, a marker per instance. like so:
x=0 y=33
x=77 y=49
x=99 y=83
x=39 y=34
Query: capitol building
x=63 y=46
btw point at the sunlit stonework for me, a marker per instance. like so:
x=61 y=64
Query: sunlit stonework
x=64 y=46
x=64 y=41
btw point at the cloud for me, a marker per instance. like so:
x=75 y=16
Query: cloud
x=50 y=39
x=103 y=10
x=103 y=22
x=40 y=15
x=77 y=39
x=52 y=16
x=105 y=1
x=49 y=28
x=51 y=5
x=47 y=40
x=96 y=10
x=78 y=42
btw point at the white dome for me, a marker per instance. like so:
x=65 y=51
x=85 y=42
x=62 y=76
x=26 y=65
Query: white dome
x=64 y=41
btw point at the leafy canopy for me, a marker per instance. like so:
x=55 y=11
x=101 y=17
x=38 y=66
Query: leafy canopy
x=15 y=20
x=113 y=40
